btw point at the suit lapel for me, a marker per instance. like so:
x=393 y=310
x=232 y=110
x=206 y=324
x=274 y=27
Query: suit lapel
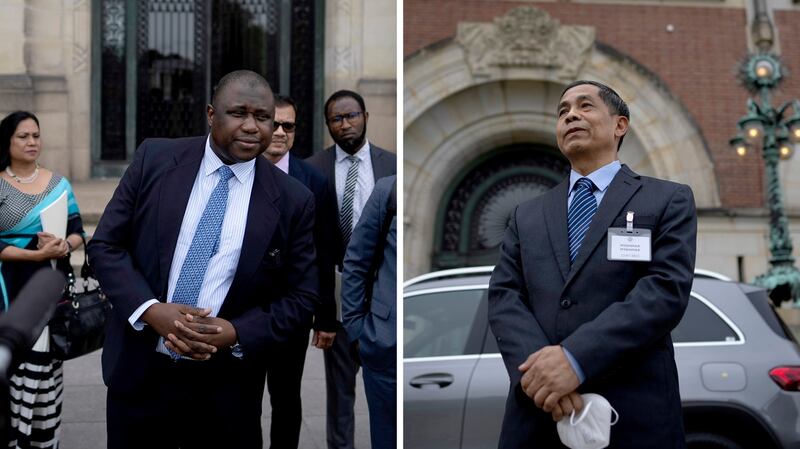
x=176 y=187
x=262 y=218
x=330 y=172
x=556 y=222
x=620 y=191
x=380 y=169
x=296 y=171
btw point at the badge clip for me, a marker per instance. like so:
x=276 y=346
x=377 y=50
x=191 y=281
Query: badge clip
x=629 y=220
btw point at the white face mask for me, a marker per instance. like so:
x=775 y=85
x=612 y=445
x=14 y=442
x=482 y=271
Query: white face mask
x=590 y=430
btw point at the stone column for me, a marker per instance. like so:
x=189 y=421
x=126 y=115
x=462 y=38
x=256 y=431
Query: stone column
x=15 y=85
x=361 y=55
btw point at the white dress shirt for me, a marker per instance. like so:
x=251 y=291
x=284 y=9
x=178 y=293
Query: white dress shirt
x=366 y=178
x=222 y=265
x=283 y=163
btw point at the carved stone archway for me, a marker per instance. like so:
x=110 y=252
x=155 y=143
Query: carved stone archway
x=497 y=84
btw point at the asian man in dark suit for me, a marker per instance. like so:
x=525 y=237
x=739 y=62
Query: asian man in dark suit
x=573 y=315
x=207 y=254
x=285 y=371
x=352 y=166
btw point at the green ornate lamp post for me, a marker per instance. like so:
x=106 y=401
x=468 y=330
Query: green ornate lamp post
x=776 y=131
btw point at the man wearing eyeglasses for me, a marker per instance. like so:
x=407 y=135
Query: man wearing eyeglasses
x=352 y=165
x=285 y=370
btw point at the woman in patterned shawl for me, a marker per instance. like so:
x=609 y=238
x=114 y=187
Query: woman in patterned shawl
x=25 y=190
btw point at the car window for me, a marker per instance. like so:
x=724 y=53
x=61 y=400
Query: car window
x=443 y=323
x=701 y=324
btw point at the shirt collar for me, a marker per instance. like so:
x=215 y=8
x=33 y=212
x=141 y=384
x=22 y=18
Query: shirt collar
x=362 y=154
x=283 y=163
x=211 y=163
x=601 y=177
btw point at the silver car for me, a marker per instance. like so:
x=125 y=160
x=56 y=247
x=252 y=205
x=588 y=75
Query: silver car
x=738 y=364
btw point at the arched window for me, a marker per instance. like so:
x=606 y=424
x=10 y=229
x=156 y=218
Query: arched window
x=477 y=207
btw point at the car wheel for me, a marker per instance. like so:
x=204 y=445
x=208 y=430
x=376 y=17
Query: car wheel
x=710 y=441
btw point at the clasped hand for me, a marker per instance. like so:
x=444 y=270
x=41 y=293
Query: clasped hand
x=190 y=331
x=548 y=379
x=51 y=247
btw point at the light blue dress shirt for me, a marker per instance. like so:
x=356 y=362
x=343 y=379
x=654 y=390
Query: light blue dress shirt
x=222 y=266
x=601 y=178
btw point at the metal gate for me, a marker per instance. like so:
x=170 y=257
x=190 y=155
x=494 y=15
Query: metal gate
x=158 y=60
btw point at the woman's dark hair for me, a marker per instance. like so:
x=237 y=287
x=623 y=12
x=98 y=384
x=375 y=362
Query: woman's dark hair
x=7 y=128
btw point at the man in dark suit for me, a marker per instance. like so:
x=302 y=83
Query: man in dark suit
x=369 y=307
x=352 y=166
x=572 y=311
x=207 y=254
x=285 y=370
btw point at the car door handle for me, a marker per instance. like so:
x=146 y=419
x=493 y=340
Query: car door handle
x=433 y=380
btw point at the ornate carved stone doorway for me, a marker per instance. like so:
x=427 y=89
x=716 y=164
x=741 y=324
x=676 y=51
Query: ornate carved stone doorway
x=475 y=212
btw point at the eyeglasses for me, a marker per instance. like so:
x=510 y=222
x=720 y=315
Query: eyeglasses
x=287 y=126
x=337 y=120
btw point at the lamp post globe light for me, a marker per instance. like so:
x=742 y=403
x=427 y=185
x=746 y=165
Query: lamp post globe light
x=775 y=131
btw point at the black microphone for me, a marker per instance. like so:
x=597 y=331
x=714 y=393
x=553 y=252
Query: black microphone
x=24 y=321
x=21 y=326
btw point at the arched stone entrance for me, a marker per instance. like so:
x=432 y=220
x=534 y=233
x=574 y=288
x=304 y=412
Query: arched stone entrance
x=475 y=211
x=485 y=90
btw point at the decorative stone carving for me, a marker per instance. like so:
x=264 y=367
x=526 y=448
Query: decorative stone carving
x=81 y=28
x=343 y=50
x=525 y=37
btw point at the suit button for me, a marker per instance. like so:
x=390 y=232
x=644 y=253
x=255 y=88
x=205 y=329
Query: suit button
x=566 y=303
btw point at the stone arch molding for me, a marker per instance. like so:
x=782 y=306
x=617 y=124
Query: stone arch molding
x=498 y=83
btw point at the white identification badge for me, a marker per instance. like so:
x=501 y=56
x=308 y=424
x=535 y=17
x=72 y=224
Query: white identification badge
x=629 y=243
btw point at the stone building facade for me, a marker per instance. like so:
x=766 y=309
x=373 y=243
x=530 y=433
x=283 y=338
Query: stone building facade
x=480 y=88
x=104 y=74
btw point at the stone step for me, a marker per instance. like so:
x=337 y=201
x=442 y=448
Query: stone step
x=92 y=197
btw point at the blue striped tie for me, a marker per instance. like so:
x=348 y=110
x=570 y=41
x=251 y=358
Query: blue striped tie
x=205 y=244
x=581 y=211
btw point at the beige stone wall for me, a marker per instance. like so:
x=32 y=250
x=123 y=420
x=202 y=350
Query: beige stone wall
x=721 y=240
x=361 y=55
x=12 y=37
x=44 y=68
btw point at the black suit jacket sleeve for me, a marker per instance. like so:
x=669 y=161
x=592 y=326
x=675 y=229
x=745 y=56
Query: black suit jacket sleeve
x=656 y=303
x=109 y=248
x=260 y=327
x=514 y=325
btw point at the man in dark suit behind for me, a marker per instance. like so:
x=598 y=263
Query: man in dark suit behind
x=285 y=370
x=569 y=316
x=369 y=307
x=206 y=252
x=352 y=166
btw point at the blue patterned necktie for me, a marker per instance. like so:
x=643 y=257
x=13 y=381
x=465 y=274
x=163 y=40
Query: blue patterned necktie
x=346 y=214
x=581 y=211
x=204 y=244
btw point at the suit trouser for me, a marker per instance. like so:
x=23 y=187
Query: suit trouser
x=284 y=379
x=340 y=385
x=381 y=389
x=189 y=405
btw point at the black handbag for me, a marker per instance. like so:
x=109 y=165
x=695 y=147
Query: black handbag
x=78 y=325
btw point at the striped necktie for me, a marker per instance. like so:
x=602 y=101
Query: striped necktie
x=581 y=211
x=346 y=212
